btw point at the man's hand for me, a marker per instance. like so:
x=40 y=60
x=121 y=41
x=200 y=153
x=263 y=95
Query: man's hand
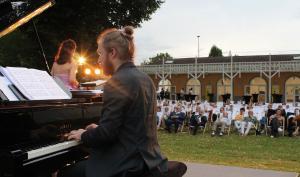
x=76 y=134
x=91 y=126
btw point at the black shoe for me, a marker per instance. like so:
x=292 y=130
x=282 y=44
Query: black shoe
x=168 y=130
x=257 y=132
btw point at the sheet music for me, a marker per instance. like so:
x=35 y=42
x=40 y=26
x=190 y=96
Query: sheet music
x=10 y=77
x=35 y=84
x=4 y=88
x=47 y=83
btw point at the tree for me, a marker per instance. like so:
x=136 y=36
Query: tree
x=215 y=52
x=158 y=58
x=79 y=20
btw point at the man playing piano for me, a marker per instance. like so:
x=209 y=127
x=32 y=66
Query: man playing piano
x=124 y=143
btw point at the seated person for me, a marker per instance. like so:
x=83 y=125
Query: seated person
x=297 y=122
x=248 y=122
x=197 y=119
x=229 y=110
x=275 y=121
x=283 y=113
x=64 y=66
x=260 y=113
x=293 y=123
x=222 y=120
x=189 y=110
x=214 y=113
x=159 y=117
x=238 y=119
x=289 y=110
x=176 y=118
x=268 y=113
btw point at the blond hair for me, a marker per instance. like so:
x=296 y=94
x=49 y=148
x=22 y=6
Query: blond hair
x=121 y=40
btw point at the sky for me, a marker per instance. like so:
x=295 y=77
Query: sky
x=244 y=27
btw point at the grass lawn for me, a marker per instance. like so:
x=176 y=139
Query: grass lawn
x=262 y=152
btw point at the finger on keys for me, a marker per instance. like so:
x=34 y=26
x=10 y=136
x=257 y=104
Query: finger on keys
x=73 y=132
x=70 y=137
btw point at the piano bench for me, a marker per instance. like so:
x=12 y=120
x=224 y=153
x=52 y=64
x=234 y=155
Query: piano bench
x=175 y=169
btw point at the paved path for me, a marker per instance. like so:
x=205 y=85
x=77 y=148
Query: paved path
x=203 y=170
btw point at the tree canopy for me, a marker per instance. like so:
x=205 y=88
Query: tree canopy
x=215 y=52
x=158 y=58
x=76 y=19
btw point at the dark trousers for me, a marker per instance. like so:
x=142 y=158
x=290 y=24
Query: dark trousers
x=291 y=127
x=274 y=127
x=196 y=124
x=175 y=169
x=170 y=122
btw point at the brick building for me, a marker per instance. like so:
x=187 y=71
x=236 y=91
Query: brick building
x=267 y=76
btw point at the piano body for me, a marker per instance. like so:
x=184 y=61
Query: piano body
x=33 y=133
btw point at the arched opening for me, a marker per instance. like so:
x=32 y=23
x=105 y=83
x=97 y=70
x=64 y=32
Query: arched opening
x=165 y=84
x=258 y=89
x=195 y=85
x=292 y=89
x=223 y=87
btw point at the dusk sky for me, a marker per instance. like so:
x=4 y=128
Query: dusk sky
x=246 y=27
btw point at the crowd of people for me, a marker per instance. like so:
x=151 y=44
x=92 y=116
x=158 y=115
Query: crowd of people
x=263 y=118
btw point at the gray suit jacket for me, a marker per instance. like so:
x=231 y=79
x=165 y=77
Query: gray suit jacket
x=126 y=137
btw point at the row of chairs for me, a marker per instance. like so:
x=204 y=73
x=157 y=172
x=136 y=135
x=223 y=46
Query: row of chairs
x=228 y=128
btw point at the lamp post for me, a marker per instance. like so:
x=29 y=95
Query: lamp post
x=196 y=59
x=231 y=76
x=198 y=47
x=196 y=62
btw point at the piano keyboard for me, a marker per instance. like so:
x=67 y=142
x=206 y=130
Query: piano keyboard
x=51 y=149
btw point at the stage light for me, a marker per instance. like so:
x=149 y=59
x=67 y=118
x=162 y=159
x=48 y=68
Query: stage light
x=97 y=71
x=87 y=71
x=81 y=60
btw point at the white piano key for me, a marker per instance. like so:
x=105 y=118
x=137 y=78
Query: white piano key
x=51 y=149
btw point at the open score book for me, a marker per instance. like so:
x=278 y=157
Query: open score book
x=18 y=83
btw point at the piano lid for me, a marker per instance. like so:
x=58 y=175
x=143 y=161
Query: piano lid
x=14 y=13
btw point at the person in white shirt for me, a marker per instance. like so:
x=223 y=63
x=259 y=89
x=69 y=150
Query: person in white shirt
x=222 y=120
x=229 y=111
x=159 y=117
x=173 y=105
x=289 y=110
x=248 y=122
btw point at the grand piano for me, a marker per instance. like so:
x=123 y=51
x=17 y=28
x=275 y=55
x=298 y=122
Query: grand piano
x=33 y=133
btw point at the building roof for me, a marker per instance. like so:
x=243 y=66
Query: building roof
x=253 y=58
